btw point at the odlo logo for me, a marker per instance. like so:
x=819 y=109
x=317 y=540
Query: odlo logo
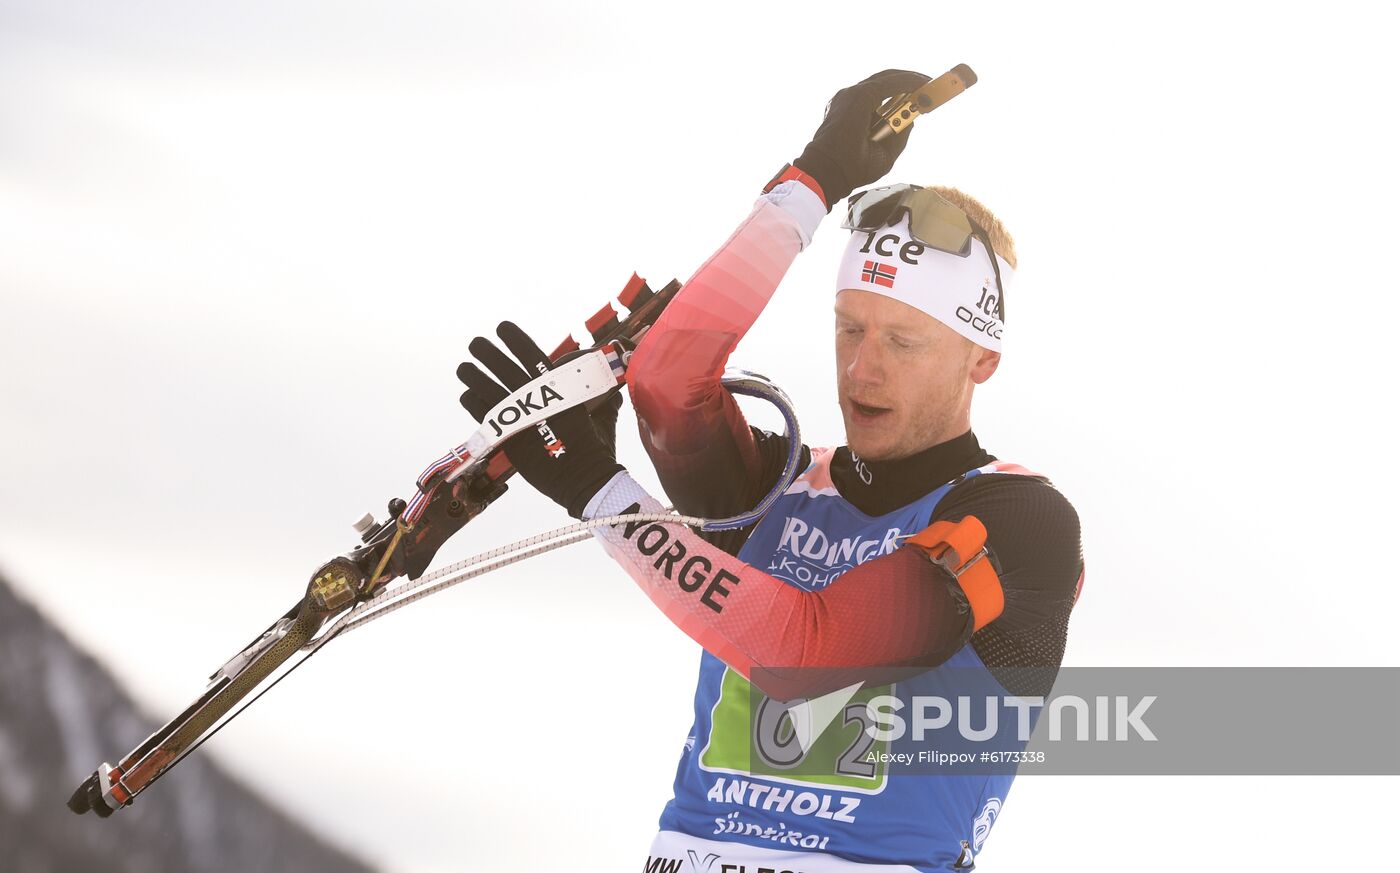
x=522 y=408
x=990 y=317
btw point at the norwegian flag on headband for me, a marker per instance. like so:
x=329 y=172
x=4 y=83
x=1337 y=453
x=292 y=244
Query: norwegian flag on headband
x=877 y=273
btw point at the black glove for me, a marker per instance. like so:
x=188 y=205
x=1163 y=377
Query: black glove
x=570 y=477
x=841 y=156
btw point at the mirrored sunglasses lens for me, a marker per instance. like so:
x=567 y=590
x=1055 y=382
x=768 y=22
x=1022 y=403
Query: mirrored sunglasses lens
x=870 y=210
x=932 y=220
x=940 y=225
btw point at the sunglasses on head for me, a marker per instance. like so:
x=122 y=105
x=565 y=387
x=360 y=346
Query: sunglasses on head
x=933 y=221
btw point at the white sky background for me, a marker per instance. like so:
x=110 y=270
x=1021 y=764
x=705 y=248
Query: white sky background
x=243 y=247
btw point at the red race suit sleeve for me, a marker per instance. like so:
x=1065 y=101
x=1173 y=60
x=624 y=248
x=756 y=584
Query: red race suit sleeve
x=708 y=460
x=891 y=613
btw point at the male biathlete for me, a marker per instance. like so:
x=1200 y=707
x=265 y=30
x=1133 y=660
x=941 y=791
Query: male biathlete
x=910 y=556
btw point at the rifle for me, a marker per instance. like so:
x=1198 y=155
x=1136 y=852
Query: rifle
x=353 y=588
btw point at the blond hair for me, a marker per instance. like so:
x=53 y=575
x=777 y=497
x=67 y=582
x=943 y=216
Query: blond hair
x=1000 y=237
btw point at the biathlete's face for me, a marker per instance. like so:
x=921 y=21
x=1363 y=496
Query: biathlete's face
x=903 y=378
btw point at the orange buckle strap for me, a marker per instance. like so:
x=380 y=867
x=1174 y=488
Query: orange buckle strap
x=789 y=173
x=946 y=542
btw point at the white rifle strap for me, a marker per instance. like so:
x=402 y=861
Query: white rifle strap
x=578 y=381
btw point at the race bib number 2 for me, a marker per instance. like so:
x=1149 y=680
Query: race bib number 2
x=825 y=742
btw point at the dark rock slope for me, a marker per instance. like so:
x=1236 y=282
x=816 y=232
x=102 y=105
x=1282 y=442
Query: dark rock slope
x=61 y=713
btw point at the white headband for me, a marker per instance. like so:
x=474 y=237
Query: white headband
x=960 y=291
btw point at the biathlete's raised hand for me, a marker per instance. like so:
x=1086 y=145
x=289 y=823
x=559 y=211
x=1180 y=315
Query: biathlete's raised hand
x=841 y=156
x=571 y=456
